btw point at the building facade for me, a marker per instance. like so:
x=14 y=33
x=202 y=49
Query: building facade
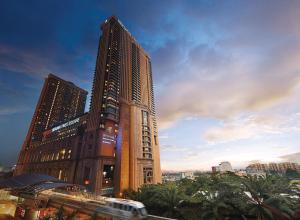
x=274 y=167
x=58 y=153
x=122 y=126
x=59 y=101
x=223 y=167
x=114 y=146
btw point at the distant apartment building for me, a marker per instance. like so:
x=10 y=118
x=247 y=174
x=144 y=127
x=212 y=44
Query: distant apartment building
x=241 y=173
x=223 y=167
x=275 y=167
x=215 y=169
x=258 y=166
x=176 y=176
x=187 y=174
x=254 y=172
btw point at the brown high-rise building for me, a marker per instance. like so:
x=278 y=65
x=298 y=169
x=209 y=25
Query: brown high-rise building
x=59 y=101
x=122 y=125
x=115 y=146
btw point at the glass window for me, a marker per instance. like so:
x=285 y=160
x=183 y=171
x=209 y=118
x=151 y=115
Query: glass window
x=108 y=174
x=148 y=175
x=145 y=118
x=143 y=211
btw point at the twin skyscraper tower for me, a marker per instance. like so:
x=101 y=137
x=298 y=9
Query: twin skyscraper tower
x=113 y=147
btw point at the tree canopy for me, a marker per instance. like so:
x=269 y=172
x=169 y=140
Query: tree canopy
x=222 y=196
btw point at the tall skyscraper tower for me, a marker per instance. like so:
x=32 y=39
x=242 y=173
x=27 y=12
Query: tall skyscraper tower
x=122 y=150
x=59 y=102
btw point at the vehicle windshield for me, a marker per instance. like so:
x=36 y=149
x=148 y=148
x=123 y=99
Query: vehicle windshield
x=143 y=211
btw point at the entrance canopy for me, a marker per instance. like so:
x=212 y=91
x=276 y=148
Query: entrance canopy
x=32 y=183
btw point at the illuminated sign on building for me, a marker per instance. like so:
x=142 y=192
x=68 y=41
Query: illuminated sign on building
x=65 y=124
x=108 y=139
x=107 y=191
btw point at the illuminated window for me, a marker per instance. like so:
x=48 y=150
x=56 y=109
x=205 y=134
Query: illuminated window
x=86 y=175
x=146 y=136
x=148 y=175
x=60 y=175
x=63 y=152
x=108 y=174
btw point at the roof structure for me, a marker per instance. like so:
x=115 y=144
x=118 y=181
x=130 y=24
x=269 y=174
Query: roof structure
x=32 y=183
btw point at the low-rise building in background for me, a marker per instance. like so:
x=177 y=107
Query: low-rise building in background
x=187 y=174
x=176 y=176
x=223 y=167
x=255 y=172
x=274 y=167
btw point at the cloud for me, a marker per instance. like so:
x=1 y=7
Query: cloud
x=252 y=127
x=5 y=111
x=222 y=80
x=295 y=157
x=35 y=65
x=164 y=136
x=227 y=133
x=172 y=148
x=24 y=62
x=192 y=156
x=64 y=44
x=236 y=63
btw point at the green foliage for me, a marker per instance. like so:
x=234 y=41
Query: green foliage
x=161 y=199
x=222 y=196
x=290 y=173
x=59 y=215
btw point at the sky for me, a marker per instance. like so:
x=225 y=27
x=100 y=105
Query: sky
x=226 y=73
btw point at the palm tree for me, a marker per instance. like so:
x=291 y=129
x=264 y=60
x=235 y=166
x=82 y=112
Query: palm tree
x=214 y=207
x=266 y=199
x=147 y=195
x=160 y=199
x=187 y=186
x=221 y=196
x=169 y=197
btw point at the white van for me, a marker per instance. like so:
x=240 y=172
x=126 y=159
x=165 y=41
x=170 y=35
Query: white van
x=126 y=209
